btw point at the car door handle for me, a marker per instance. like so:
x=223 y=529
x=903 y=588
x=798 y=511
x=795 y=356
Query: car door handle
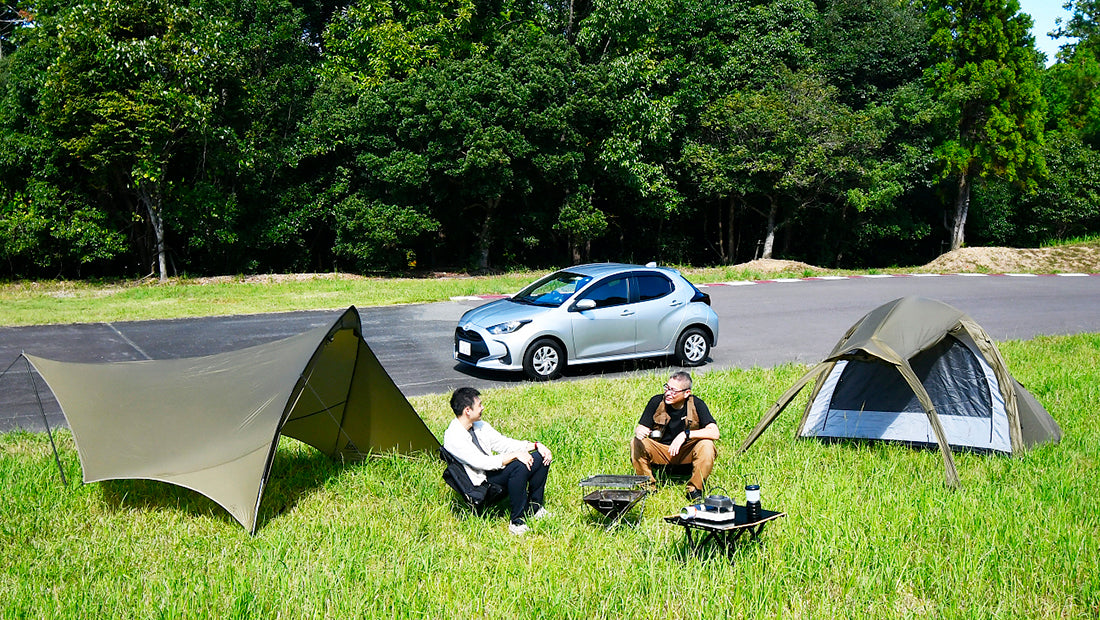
x=676 y=303
x=627 y=313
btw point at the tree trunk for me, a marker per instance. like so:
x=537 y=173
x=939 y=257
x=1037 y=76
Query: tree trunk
x=962 y=206
x=731 y=249
x=569 y=25
x=151 y=200
x=769 y=239
x=484 y=238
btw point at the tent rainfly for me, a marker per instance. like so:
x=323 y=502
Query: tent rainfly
x=920 y=372
x=212 y=424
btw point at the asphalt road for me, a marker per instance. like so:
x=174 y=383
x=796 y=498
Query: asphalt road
x=762 y=324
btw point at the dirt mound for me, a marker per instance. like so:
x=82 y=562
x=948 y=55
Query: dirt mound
x=1080 y=258
x=771 y=265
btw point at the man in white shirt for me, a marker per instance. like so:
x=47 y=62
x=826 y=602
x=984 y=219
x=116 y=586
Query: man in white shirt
x=518 y=466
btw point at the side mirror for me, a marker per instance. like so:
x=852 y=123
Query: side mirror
x=584 y=304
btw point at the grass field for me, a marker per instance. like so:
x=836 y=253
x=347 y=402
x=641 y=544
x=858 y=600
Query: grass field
x=45 y=302
x=48 y=302
x=871 y=531
x=38 y=303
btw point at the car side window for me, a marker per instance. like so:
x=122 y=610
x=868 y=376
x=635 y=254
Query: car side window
x=652 y=286
x=613 y=292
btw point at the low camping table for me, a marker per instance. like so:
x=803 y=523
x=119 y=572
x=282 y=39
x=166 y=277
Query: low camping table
x=725 y=533
x=616 y=495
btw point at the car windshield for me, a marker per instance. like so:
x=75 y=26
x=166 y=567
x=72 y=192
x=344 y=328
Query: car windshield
x=552 y=290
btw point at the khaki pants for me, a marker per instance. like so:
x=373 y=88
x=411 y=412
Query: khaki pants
x=700 y=453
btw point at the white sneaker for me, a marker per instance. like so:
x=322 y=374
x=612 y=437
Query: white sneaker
x=519 y=529
x=542 y=513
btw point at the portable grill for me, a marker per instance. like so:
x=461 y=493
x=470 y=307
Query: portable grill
x=614 y=496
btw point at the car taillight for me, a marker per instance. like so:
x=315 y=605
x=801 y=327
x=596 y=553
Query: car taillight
x=701 y=296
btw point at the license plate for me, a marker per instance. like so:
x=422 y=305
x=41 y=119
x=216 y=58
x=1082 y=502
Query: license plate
x=463 y=347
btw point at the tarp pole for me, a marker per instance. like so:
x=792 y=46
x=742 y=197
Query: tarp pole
x=42 y=410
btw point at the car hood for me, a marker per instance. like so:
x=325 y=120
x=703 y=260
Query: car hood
x=500 y=311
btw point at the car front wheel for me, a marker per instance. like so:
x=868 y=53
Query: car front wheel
x=693 y=347
x=544 y=360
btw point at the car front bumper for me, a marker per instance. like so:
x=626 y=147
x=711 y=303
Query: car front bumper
x=476 y=347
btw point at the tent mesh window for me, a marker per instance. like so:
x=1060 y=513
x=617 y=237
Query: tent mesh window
x=949 y=371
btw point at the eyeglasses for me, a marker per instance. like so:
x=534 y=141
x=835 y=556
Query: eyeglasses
x=669 y=388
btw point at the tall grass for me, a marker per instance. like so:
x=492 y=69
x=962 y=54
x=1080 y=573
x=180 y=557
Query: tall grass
x=870 y=531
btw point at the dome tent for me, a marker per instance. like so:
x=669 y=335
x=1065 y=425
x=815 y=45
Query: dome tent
x=212 y=424
x=920 y=372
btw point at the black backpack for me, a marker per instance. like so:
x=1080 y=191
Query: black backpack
x=477 y=496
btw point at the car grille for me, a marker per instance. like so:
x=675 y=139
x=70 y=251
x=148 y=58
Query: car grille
x=478 y=348
x=469 y=335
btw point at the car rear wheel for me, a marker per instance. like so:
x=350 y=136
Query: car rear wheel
x=692 y=347
x=544 y=360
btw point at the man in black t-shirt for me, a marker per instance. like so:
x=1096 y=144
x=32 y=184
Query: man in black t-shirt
x=676 y=428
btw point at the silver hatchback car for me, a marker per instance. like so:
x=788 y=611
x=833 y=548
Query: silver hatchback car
x=590 y=313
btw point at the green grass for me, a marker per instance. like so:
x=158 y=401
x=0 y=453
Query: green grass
x=1086 y=240
x=49 y=302
x=871 y=531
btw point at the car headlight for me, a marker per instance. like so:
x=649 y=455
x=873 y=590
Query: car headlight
x=506 y=328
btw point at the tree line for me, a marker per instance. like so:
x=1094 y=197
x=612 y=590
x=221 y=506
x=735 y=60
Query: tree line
x=233 y=136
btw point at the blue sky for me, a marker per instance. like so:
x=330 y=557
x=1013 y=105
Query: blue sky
x=1044 y=13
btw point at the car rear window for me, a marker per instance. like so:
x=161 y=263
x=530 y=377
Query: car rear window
x=652 y=286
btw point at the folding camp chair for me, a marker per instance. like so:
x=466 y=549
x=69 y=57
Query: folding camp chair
x=477 y=497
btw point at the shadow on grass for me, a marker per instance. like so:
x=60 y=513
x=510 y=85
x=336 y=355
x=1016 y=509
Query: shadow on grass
x=293 y=476
x=582 y=371
x=613 y=522
x=702 y=549
x=461 y=509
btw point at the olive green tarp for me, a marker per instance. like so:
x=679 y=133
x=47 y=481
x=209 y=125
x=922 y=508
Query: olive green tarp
x=212 y=424
x=955 y=359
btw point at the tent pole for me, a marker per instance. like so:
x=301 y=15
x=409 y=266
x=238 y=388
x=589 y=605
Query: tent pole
x=780 y=404
x=933 y=420
x=42 y=410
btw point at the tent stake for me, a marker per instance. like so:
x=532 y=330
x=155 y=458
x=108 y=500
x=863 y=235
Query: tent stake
x=42 y=410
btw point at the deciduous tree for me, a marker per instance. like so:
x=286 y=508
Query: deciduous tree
x=782 y=149
x=132 y=85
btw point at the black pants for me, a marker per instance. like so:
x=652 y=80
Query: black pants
x=525 y=486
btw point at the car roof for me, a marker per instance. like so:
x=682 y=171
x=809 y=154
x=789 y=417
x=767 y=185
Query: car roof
x=597 y=270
